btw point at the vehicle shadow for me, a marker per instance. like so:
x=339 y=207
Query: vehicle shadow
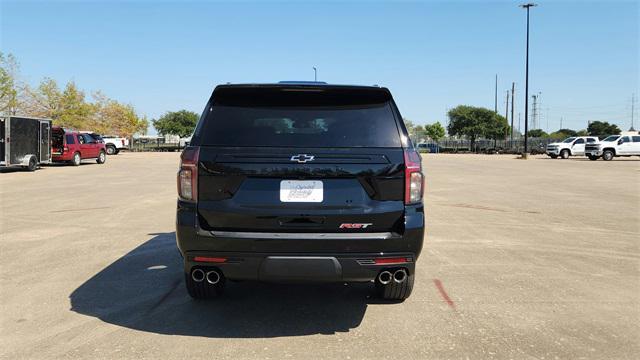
x=144 y=290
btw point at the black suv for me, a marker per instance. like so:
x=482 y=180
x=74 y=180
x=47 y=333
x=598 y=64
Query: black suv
x=300 y=182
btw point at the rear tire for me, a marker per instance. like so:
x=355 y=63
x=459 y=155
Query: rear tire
x=111 y=150
x=102 y=157
x=564 y=154
x=395 y=291
x=608 y=155
x=33 y=164
x=76 y=159
x=203 y=290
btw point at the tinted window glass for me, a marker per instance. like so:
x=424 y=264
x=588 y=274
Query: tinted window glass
x=88 y=138
x=579 y=141
x=302 y=126
x=636 y=138
x=591 y=140
x=70 y=139
x=625 y=139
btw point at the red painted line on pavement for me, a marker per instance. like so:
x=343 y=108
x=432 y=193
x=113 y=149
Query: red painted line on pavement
x=443 y=293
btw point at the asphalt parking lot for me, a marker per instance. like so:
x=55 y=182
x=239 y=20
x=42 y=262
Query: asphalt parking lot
x=523 y=259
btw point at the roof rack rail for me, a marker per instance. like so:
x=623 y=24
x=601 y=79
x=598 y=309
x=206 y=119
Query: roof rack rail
x=303 y=82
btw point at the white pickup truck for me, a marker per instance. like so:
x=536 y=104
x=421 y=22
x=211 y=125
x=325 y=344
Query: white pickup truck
x=614 y=145
x=115 y=143
x=573 y=146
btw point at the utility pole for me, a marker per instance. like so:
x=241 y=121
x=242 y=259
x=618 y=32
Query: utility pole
x=633 y=100
x=546 y=117
x=526 y=86
x=513 y=95
x=560 y=122
x=506 y=113
x=315 y=74
x=519 y=122
x=534 y=112
x=495 y=108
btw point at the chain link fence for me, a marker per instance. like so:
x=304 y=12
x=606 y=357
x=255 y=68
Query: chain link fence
x=536 y=146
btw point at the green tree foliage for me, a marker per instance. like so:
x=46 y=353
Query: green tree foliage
x=476 y=122
x=602 y=128
x=8 y=84
x=434 y=131
x=537 y=133
x=68 y=107
x=181 y=123
x=112 y=117
x=45 y=100
x=582 y=132
x=73 y=110
x=563 y=134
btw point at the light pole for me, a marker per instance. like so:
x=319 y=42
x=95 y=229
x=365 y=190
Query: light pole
x=525 y=154
x=315 y=74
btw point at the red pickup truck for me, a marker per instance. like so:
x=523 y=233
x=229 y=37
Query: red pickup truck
x=73 y=146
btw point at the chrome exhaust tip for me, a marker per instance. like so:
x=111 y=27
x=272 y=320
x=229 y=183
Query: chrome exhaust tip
x=385 y=277
x=400 y=276
x=197 y=275
x=213 y=277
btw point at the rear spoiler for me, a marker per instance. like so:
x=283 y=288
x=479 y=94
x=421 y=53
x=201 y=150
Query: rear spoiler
x=298 y=95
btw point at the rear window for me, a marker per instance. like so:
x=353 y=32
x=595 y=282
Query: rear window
x=302 y=126
x=70 y=139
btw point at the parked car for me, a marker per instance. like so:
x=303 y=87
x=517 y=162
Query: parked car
x=572 y=146
x=614 y=145
x=115 y=143
x=24 y=142
x=300 y=182
x=73 y=146
x=95 y=136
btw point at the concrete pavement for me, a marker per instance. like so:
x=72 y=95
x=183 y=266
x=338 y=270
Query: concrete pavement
x=523 y=259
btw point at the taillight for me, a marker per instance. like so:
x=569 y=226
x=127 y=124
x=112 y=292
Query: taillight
x=188 y=174
x=209 y=259
x=413 y=179
x=386 y=261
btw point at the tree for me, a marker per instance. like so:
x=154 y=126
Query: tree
x=112 y=117
x=563 y=134
x=181 y=123
x=9 y=90
x=44 y=101
x=474 y=122
x=434 y=131
x=73 y=111
x=537 y=133
x=496 y=128
x=602 y=128
x=582 y=132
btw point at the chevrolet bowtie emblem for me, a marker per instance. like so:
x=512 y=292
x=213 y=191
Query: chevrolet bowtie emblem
x=302 y=158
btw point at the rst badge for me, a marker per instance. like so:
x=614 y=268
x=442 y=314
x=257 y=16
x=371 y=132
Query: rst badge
x=354 y=225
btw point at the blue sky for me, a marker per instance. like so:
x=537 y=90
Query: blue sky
x=432 y=55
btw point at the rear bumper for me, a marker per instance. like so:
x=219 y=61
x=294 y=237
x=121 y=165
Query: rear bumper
x=325 y=257
x=67 y=156
x=297 y=267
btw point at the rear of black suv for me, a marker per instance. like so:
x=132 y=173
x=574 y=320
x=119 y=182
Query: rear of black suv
x=300 y=182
